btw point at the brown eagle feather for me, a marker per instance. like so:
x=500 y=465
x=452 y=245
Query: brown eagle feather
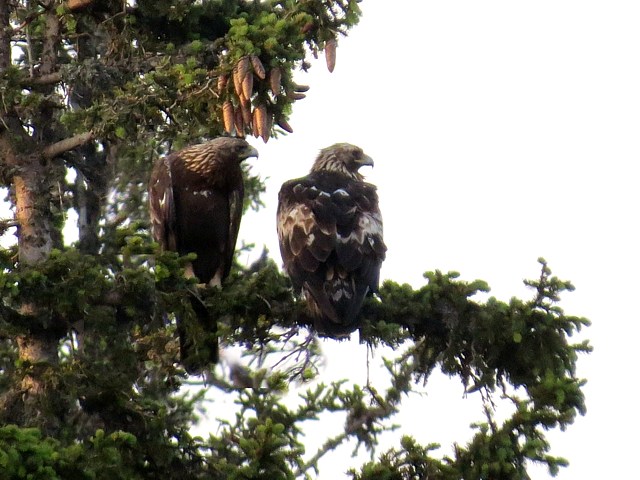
x=195 y=202
x=330 y=234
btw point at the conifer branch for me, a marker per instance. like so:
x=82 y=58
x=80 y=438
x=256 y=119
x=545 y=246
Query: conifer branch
x=360 y=424
x=327 y=446
x=58 y=148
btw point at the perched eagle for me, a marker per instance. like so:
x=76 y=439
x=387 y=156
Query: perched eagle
x=195 y=201
x=330 y=233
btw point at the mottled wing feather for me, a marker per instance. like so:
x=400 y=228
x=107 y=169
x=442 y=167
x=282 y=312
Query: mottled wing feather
x=360 y=235
x=305 y=230
x=330 y=234
x=162 y=205
x=195 y=203
x=236 y=199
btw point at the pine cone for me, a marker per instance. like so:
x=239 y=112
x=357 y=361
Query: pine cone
x=258 y=68
x=239 y=73
x=275 y=76
x=330 y=53
x=223 y=79
x=228 y=116
x=237 y=81
x=245 y=106
x=247 y=85
x=282 y=123
x=244 y=65
x=261 y=121
x=239 y=123
x=254 y=126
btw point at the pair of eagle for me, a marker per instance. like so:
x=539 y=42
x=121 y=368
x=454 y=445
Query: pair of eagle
x=329 y=227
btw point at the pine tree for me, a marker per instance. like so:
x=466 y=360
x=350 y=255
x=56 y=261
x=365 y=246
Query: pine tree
x=92 y=92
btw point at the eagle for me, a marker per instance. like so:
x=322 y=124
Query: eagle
x=195 y=203
x=330 y=235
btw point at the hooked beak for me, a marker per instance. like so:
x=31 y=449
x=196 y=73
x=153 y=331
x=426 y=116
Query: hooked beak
x=250 y=152
x=365 y=160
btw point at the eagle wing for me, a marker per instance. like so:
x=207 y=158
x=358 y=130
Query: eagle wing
x=236 y=199
x=306 y=228
x=162 y=205
x=331 y=243
x=360 y=246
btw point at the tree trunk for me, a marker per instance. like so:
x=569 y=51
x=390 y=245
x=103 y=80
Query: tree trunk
x=32 y=400
x=38 y=345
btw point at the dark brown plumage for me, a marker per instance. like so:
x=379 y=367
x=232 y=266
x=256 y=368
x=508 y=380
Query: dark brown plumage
x=330 y=233
x=195 y=201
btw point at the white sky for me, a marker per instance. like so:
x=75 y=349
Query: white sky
x=502 y=131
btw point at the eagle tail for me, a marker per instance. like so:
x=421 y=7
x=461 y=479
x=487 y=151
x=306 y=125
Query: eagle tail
x=198 y=339
x=335 y=315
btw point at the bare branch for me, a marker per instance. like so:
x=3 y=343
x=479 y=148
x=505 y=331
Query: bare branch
x=6 y=224
x=67 y=144
x=48 y=79
x=25 y=23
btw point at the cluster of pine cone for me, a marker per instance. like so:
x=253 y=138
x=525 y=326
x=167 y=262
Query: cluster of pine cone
x=237 y=118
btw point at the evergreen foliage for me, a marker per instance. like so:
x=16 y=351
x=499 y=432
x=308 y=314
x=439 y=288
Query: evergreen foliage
x=91 y=385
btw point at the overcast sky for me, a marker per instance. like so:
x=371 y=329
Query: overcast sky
x=501 y=131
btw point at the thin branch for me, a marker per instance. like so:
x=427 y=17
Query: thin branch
x=6 y=224
x=30 y=52
x=47 y=79
x=386 y=407
x=328 y=446
x=58 y=148
x=25 y=23
x=371 y=415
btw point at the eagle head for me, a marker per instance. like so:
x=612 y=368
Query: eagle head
x=236 y=147
x=342 y=158
x=223 y=151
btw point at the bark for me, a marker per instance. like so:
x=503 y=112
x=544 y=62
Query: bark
x=33 y=400
x=51 y=39
x=35 y=239
x=5 y=37
x=37 y=345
